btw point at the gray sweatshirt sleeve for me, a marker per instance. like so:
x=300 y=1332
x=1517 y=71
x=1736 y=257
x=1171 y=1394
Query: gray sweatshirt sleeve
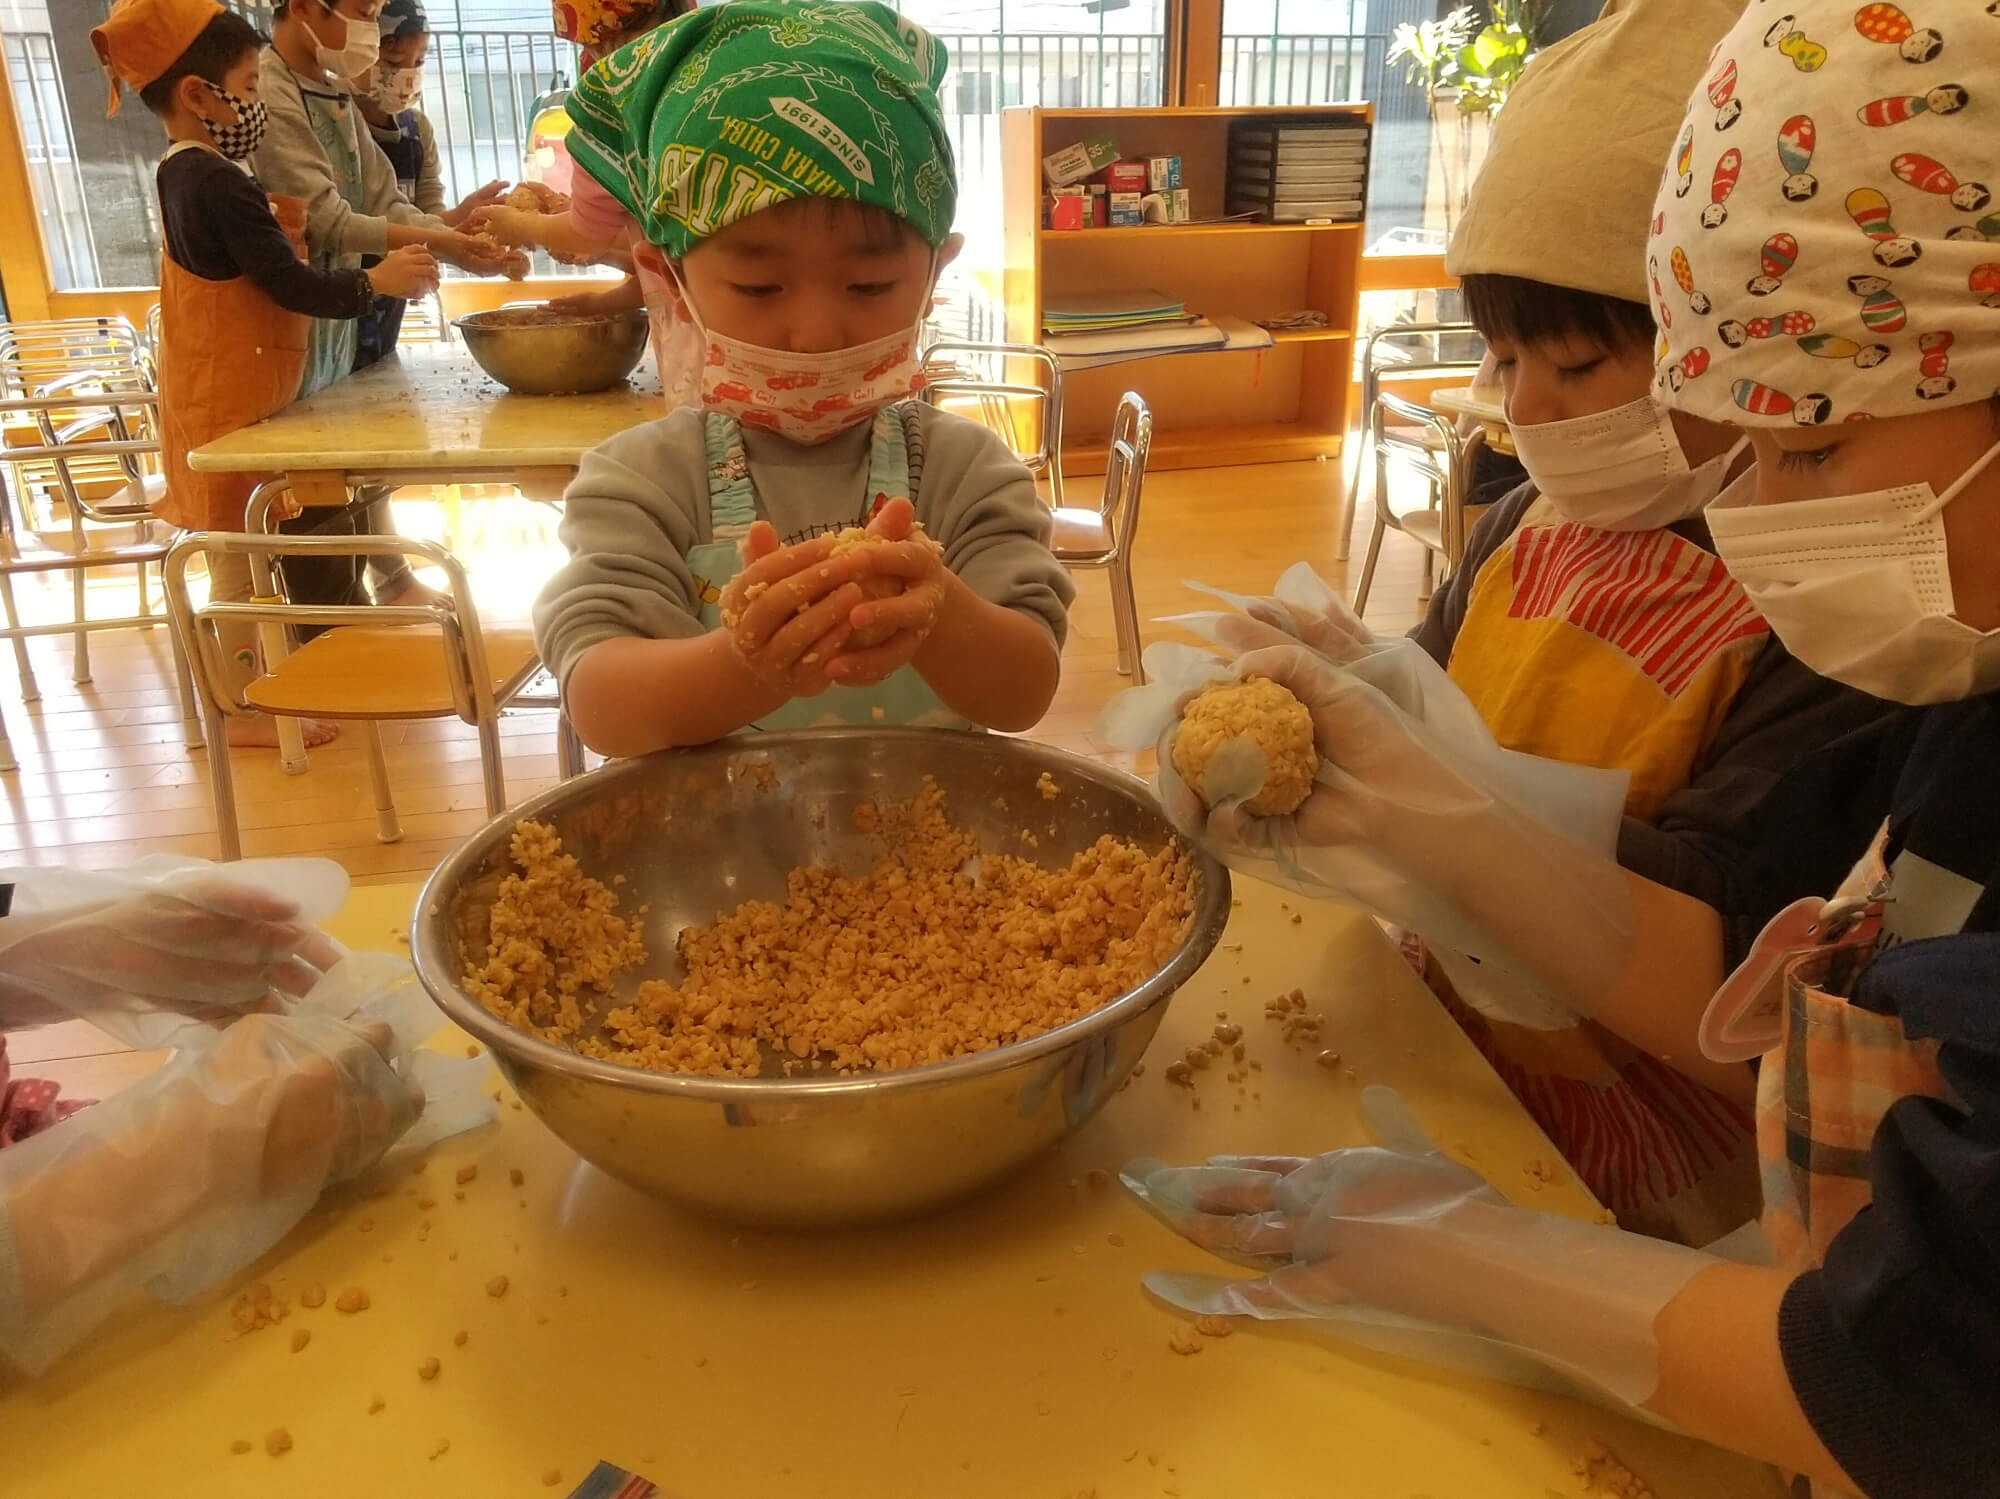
x=430 y=178
x=637 y=504
x=291 y=162
x=979 y=502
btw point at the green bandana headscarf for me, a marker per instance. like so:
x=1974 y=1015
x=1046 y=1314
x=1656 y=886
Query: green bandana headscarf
x=726 y=111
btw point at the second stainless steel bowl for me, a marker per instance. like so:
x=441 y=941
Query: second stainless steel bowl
x=534 y=352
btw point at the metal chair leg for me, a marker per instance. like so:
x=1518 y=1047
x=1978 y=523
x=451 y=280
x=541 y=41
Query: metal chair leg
x=184 y=684
x=222 y=784
x=1351 y=497
x=80 y=662
x=1125 y=620
x=31 y=691
x=387 y=828
x=489 y=766
x=569 y=748
x=1368 y=567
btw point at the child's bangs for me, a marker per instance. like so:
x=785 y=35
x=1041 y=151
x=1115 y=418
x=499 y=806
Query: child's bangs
x=1521 y=311
x=877 y=228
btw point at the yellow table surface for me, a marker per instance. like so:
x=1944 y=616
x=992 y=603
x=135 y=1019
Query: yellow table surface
x=1485 y=404
x=429 y=408
x=1003 y=1348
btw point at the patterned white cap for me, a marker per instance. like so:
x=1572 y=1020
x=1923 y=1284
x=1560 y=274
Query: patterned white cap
x=1825 y=245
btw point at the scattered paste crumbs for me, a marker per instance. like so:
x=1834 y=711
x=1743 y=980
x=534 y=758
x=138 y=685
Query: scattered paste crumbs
x=912 y=963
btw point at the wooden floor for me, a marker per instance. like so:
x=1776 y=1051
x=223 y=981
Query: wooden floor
x=105 y=776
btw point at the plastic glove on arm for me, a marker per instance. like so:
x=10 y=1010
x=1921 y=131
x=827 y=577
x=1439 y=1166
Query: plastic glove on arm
x=1435 y=829
x=200 y=940
x=1398 y=1248
x=188 y=1175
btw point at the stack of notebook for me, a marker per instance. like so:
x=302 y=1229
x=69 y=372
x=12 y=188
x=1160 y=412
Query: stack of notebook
x=1125 y=322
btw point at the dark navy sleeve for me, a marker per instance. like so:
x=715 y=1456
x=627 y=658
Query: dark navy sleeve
x=1893 y=1346
x=1787 y=796
x=218 y=224
x=1446 y=615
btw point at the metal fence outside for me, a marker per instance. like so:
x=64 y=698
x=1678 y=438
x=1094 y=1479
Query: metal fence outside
x=53 y=168
x=482 y=85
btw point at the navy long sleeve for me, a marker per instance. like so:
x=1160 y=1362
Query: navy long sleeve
x=219 y=225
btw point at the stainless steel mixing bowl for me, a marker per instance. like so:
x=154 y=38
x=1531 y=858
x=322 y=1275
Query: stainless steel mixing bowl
x=698 y=832
x=554 y=354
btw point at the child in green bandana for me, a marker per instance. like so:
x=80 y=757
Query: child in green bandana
x=791 y=165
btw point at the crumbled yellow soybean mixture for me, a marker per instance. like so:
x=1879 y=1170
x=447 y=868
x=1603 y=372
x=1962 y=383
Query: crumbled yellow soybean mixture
x=913 y=962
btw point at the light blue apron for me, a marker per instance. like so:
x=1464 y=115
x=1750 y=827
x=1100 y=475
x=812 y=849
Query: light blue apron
x=903 y=697
x=330 y=345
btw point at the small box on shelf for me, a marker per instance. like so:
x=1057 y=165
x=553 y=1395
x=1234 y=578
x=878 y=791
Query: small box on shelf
x=1086 y=158
x=1066 y=211
x=1127 y=210
x=1125 y=177
x=1163 y=174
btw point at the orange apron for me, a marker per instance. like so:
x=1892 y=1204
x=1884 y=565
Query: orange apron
x=230 y=356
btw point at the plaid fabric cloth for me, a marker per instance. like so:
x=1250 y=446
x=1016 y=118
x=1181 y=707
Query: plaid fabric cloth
x=29 y=1105
x=1822 y=1095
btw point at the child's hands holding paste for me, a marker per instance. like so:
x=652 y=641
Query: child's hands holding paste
x=787 y=612
x=903 y=581
x=843 y=610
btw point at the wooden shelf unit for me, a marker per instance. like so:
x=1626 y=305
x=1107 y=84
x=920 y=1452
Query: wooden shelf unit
x=1288 y=402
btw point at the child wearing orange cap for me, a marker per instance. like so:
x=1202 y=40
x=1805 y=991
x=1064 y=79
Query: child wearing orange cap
x=236 y=296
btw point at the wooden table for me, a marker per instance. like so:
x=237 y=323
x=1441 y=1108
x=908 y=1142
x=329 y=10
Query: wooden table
x=1003 y=1348
x=428 y=415
x=1485 y=405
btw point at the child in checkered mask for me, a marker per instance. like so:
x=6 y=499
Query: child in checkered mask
x=236 y=294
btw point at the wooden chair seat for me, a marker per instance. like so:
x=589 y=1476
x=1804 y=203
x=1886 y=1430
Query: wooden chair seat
x=385 y=671
x=1080 y=537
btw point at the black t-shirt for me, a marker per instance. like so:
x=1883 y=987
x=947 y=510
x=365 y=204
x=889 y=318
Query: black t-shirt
x=1893 y=1346
x=219 y=226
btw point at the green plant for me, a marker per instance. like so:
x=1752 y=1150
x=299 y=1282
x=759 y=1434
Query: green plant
x=1487 y=67
x=1428 y=50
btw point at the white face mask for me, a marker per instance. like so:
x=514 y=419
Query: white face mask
x=1618 y=470
x=808 y=398
x=362 y=47
x=396 y=89
x=1858 y=587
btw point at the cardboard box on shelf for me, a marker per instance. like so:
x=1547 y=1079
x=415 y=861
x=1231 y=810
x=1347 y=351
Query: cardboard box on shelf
x=1178 y=208
x=1084 y=159
x=1163 y=174
x=1100 y=206
x=1125 y=177
x=1065 y=211
x=1126 y=211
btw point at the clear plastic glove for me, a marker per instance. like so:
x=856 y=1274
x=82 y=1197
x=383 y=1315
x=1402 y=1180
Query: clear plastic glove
x=187 y=1176
x=149 y=950
x=1399 y=1248
x=1428 y=824
x=1306 y=610
x=1303 y=608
